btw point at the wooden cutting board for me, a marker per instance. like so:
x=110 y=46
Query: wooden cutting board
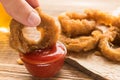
x=95 y=65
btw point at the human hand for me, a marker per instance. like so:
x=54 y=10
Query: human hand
x=23 y=11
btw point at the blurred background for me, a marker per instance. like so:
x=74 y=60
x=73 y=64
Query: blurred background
x=55 y=7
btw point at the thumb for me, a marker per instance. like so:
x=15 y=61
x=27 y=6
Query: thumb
x=21 y=11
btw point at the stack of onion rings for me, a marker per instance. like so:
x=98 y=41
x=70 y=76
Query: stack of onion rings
x=78 y=32
x=105 y=32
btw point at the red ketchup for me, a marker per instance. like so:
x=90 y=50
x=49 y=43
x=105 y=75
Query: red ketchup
x=45 y=63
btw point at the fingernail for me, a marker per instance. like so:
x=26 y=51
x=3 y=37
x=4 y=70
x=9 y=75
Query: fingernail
x=33 y=19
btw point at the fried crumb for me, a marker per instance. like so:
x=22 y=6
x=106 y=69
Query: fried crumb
x=20 y=62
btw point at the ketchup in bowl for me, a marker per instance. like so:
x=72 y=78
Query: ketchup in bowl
x=45 y=63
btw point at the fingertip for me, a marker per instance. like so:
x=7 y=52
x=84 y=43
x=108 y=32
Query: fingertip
x=33 y=19
x=22 y=12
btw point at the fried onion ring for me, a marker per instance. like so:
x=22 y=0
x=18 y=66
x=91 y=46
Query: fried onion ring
x=100 y=17
x=82 y=43
x=78 y=32
x=49 y=34
x=74 y=24
x=107 y=46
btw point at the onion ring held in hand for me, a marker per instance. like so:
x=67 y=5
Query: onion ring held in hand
x=49 y=34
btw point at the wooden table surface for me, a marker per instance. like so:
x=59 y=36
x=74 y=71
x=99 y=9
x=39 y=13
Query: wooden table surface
x=10 y=70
